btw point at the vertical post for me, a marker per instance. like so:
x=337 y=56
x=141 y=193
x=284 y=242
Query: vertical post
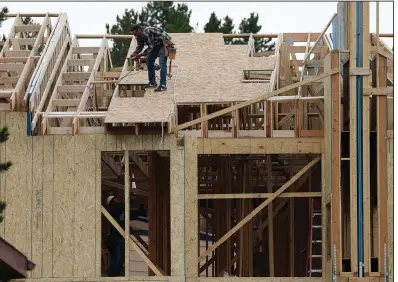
x=366 y=144
x=191 y=206
x=177 y=211
x=291 y=216
x=127 y=213
x=353 y=138
x=204 y=127
x=152 y=212
x=235 y=123
x=381 y=129
x=336 y=162
x=270 y=219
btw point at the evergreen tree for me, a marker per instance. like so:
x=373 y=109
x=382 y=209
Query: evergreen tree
x=213 y=25
x=3 y=17
x=172 y=18
x=3 y=167
x=250 y=25
x=123 y=25
x=227 y=28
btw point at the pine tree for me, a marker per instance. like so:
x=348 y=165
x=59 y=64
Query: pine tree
x=213 y=25
x=227 y=28
x=3 y=17
x=172 y=18
x=3 y=167
x=250 y=25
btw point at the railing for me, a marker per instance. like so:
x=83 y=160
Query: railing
x=50 y=64
x=17 y=93
x=102 y=51
x=11 y=34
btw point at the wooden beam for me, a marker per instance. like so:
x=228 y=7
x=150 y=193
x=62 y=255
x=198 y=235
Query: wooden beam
x=336 y=163
x=270 y=219
x=132 y=242
x=126 y=214
x=260 y=195
x=254 y=100
x=381 y=129
x=273 y=145
x=353 y=141
x=366 y=143
x=259 y=208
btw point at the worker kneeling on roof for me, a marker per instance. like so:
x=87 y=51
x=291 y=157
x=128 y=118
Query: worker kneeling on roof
x=151 y=41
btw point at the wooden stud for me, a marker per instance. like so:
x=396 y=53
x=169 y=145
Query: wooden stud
x=366 y=143
x=260 y=207
x=270 y=219
x=353 y=141
x=126 y=213
x=254 y=100
x=381 y=129
x=336 y=163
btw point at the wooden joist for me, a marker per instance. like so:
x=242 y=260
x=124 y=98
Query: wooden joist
x=27 y=28
x=80 y=62
x=71 y=88
x=85 y=50
x=16 y=53
x=75 y=76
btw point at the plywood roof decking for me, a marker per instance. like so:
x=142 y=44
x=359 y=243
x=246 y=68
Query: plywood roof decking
x=204 y=71
x=154 y=107
x=209 y=71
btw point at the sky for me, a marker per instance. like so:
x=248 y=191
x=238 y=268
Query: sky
x=275 y=17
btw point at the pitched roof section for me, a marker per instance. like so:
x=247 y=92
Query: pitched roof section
x=207 y=71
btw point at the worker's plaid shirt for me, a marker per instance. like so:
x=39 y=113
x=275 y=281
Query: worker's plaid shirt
x=154 y=37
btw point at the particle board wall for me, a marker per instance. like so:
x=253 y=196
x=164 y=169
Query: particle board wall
x=53 y=192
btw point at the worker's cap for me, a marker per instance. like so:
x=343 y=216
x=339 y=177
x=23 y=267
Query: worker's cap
x=135 y=28
x=109 y=199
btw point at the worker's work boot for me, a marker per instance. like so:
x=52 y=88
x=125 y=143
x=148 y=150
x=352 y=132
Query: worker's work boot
x=161 y=88
x=150 y=84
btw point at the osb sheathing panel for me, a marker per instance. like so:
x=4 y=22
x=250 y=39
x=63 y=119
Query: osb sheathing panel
x=191 y=208
x=2 y=175
x=177 y=190
x=16 y=194
x=53 y=192
x=390 y=205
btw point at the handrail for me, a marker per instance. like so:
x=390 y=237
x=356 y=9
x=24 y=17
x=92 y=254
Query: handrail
x=319 y=38
x=28 y=66
x=55 y=57
x=11 y=34
x=89 y=85
x=45 y=61
x=59 y=81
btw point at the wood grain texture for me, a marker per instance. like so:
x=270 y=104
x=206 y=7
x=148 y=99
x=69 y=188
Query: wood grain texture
x=84 y=201
x=16 y=194
x=48 y=205
x=37 y=203
x=64 y=209
x=100 y=145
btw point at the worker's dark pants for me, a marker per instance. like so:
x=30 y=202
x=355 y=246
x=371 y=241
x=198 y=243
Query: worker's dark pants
x=150 y=62
x=116 y=250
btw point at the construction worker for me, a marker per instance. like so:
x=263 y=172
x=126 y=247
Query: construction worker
x=115 y=239
x=153 y=37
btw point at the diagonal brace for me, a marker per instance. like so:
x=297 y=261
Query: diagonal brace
x=257 y=99
x=259 y=208
x=137 y=248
